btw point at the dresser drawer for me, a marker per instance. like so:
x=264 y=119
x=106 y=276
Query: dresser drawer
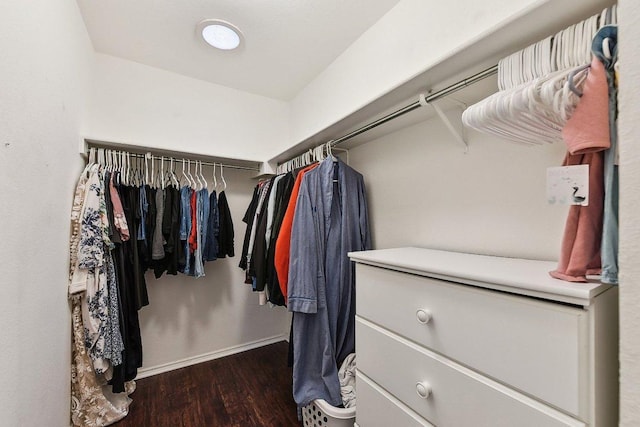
x=376 y=408
x=532 y=345
x=459 y=396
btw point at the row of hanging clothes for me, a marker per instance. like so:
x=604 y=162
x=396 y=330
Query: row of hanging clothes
x=301 y=224
x=564 y=89
x=131 y=214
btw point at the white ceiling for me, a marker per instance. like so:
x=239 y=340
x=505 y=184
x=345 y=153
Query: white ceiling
x=287 y=42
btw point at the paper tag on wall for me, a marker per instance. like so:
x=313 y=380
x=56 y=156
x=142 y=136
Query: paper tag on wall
x=568 y=185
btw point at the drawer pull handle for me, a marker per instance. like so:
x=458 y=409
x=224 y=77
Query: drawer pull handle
x=423 y=316
x=423 y=389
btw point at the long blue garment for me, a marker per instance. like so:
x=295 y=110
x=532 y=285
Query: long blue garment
x=609 y=250
x=198 y=266
x=211 y=246
x=330 y=220
x=204 y=233
x=185 y=224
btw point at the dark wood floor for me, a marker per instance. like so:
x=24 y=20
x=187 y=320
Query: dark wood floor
x=252 y=388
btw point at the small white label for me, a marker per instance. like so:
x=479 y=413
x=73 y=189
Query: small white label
x=568 y=185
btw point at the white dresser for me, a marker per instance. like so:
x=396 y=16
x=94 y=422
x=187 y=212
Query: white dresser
x=451 y=339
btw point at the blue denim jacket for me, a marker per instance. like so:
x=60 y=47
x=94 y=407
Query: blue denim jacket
x=185 y=223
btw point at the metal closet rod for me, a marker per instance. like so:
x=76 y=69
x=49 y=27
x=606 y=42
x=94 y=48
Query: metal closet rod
x=175 y=159
x=417 y=104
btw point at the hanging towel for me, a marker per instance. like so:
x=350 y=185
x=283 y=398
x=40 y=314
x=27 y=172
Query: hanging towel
x=580 y=251
x=586 y=135
x=587 y=130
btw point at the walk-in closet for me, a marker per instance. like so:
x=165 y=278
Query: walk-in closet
x=320 y=213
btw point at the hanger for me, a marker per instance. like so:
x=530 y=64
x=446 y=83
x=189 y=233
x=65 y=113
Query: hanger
x=192 y=183
x=136 y=171
x=172 y=180
x=91 y=158
x=214 y=180
x=183 y=177
x=122 y=168
x=133 y=169
x=531 y=113
x=539 y=85
x=90 y=163
x=115 y=177
x=185 y=173
x=128 y=168
x=606 y=49
x=101 y=158
x=152 y=182
x=198 y=176
x=194 y=176
x=110 y=160
x=572 y=80
x=205 y=184
x=140 y=170
x=176 y=182
x=224 y=182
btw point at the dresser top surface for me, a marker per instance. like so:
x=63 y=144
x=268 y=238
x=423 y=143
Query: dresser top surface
x=519 y=276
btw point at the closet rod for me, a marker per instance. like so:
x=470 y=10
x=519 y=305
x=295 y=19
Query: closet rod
x=417 y=104
x=178 y=160
x=168 y=158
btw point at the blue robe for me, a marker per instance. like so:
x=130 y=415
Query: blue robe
x=330 y=220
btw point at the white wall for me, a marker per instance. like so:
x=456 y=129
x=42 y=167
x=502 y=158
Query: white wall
x=189 y=318
x=415 y=36
x=141 y=105
x=495 y=201
x=44 y=75
x=629 y=129
x=147 y=106
x=424 y=191
x=409 y=39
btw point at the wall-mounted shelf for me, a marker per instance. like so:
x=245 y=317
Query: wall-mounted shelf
x=232 y=163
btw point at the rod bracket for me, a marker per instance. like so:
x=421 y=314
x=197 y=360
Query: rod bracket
x=458 y=132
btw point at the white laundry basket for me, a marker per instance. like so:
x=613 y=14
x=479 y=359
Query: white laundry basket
x=320 y=414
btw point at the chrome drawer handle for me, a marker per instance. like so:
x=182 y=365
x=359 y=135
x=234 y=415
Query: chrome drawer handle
x=423 y=389
x=423 y=316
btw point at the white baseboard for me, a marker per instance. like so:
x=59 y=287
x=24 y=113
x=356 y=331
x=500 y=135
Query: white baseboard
x=166 y=367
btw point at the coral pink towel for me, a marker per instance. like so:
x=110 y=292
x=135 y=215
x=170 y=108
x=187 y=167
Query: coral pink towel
x=587 y=130
x=586 y=135
x=580 y=252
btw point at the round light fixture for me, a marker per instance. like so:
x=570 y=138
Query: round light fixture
x=220 y=34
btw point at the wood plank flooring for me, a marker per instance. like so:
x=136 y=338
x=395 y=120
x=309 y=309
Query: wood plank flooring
x=252 y=388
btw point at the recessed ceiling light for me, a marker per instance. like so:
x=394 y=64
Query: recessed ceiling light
x=220 y=34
